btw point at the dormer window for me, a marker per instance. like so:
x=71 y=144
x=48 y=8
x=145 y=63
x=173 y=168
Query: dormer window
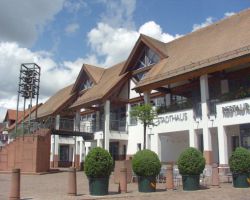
x=148 y=57
x=86 y=84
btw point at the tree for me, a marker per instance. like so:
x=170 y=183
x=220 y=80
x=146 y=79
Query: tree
x=146 y=114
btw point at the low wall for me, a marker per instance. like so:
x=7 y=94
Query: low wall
x=30 y=153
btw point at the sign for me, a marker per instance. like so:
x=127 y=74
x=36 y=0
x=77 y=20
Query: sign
x=236 y=110
x=171 y=118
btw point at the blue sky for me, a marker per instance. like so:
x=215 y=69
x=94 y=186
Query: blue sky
x=61 y=35
x=174 y=17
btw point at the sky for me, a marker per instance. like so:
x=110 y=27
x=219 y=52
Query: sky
x=61 y=35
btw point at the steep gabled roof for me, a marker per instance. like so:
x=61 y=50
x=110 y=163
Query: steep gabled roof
x=219 y=42
x=11 y=115
x=92 y=72
x=56 y=102
x=21 y=118
x=156 y=45
x=95 y=72
x=109 y=80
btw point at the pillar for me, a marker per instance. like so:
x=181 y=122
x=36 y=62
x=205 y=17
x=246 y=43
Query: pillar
x=169 y=177
x=223 y=146
x=97 y=122
x=224 y=86
x=81 y=154
x=207 y=141
x=128 y=115
x=77 y=121
x=193 y=138
x=123 y=180
x=146 y=96
x=168 y=99
x=107 y=124
x=15 y=185
x=72 y=187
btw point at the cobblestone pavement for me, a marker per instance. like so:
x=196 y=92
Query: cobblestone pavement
x=54 y=187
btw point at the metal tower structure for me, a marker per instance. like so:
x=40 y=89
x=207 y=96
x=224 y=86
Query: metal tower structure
x=28 y=89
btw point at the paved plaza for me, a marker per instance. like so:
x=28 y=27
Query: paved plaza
x=54 y=187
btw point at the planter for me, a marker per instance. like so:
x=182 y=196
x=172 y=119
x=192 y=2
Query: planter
x=146 y=184
x=241 y=180
x=191 y=182
x=98 y=186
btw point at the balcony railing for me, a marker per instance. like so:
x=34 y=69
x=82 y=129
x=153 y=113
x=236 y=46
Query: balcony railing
x=118 y=125
x=178 y=105
x=66 y=124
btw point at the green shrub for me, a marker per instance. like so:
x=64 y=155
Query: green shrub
x=239 y=162
x=146 y=163
x=191 y=162
x=98 y=163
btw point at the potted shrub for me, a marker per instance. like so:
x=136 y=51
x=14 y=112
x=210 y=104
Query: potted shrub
x=191 y=164
x=98 y=166
x=146 y=165
x=239 y=164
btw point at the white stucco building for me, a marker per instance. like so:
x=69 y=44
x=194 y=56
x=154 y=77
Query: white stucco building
x=199 y=84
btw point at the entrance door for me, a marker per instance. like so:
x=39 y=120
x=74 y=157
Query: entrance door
x=64 y=156
x=114 y=150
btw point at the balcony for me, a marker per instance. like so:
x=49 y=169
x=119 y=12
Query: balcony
x=118 y=125
x=176 y=106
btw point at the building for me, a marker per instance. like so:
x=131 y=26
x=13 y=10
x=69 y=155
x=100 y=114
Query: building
x=199 y=83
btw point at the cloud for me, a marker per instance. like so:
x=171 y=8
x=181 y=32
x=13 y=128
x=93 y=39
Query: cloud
x=21 y=21
x=211 y=20
x=71 y=28
x=119 y=13
x=54 y=76
x=74 y=6
x=229 y=14
x=115 y=44
x=207 y=22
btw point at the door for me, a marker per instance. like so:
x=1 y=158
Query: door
x=114 y=150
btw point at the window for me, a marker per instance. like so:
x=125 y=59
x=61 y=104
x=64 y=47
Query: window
x=86 y=84
x=147 y=58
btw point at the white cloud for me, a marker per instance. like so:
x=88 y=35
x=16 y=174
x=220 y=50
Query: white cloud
x=119 y=13
x=71 y=28
x=229 y=14
x=211 y=20
x=54 y=76
x=115 y=44
x=207 y=22
x=21 y=21
x=74 y=6
x=154 y=30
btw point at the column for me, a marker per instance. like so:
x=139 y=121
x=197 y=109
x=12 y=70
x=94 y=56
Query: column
x=146 y=96
x=56 y=143
x=77 y=121
x=224 y=86
x=81 y=154
x=97 y=122
x=193 y=138
x=128 y=115
x=168 y=99
x=107 y=124
x=223 y=146
x=206 y=132
x=76 y=157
